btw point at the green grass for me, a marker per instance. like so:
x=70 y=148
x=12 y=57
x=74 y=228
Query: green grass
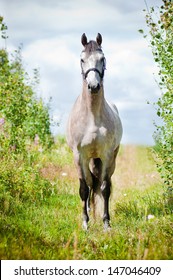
x=51 y=229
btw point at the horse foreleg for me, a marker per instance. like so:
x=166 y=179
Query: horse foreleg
x=84 y=194
x=85 y=180
x=106 y=190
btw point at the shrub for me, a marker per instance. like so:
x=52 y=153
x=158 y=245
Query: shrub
x=23 y=115
x=160 y=25
x=22 y=118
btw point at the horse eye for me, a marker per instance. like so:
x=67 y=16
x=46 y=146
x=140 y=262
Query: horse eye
x=82 y=61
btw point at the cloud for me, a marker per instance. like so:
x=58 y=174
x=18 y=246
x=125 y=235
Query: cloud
x=54 y=52
x=59 y=68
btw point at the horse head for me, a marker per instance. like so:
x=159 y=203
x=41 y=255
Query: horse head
x=93 y=63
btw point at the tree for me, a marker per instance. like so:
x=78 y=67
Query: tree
x=160 y=25
x=23 y=116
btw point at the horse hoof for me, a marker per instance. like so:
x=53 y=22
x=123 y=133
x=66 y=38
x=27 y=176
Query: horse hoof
x=85 y=226
x=107 y=226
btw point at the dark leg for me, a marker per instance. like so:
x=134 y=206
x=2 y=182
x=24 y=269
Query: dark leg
x=106 y=190
x=89 y=201
x=84 y=194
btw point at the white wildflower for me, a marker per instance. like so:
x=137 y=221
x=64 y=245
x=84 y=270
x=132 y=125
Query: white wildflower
x=149 y=217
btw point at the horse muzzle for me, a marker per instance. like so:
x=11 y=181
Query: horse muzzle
x=93 y=89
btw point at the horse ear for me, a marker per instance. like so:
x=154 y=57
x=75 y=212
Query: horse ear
x=84 y=39
x=99 y=39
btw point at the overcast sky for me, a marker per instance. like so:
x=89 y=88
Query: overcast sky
x=50 y=31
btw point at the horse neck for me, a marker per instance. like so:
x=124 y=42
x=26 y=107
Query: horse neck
x=93 y=102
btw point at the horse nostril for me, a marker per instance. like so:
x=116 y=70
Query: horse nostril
x=98 y=87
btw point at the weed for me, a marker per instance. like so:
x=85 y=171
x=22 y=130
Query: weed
x=49 y=227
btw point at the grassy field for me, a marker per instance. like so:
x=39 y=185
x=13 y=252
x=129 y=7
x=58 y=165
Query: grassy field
x=141 y=216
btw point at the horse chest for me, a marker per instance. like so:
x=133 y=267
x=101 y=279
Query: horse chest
x=93 y=142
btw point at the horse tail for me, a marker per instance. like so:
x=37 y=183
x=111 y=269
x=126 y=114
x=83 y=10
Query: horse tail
x=96 y=196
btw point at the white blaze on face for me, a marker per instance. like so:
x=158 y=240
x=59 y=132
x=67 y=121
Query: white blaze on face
x=95 y=60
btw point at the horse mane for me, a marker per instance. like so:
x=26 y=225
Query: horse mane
x=92 y=46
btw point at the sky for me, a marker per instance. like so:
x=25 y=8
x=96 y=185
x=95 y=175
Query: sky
x=50 y=33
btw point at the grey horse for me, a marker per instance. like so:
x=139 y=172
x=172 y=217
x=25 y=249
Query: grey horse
x=94 y=131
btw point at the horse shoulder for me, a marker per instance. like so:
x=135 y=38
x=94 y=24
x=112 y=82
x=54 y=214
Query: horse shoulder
x=76 y=124
x=114 y=122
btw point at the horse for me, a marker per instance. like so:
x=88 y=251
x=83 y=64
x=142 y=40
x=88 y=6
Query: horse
x=94 y=131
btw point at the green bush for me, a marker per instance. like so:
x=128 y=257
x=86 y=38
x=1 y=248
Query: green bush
x=21 y=185
x=23 y=118
x=160 y=24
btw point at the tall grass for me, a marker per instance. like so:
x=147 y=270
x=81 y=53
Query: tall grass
x=50 y=228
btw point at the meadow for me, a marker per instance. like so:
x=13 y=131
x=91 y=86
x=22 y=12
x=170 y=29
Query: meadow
x=49 y=226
